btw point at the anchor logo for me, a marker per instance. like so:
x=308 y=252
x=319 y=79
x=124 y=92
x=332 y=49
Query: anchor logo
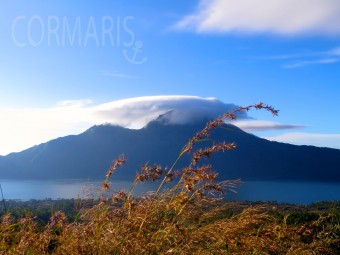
x=136 y=51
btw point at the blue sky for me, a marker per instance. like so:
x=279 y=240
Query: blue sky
x=284 y=53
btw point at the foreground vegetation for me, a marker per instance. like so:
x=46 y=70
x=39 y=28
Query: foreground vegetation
x=187 y=217
x=228 y=228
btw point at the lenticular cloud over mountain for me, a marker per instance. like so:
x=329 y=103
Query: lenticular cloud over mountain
x=75 y=116
x=138 y=112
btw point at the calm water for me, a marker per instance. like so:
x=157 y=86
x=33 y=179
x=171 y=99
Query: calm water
x=42 y=189
x=292 y=192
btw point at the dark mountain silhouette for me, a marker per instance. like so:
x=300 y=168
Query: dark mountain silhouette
x=89 y=154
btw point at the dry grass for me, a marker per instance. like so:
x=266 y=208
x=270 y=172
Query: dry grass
x=188 y=218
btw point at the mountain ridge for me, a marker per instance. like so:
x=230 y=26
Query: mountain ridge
x=89 y=154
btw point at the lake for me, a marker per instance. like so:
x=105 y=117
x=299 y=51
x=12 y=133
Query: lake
x=291 y=192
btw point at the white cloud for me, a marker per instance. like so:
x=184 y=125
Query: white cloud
x=334 y=52
x=74 y=103
x=303 y=63
x=136 y=112
x=283 y=17
x=23 y=128
x=260 y=125
x=117 y=74
x=307 y=58
x=320 y=140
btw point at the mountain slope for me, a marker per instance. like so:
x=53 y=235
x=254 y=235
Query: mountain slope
x=89 y=154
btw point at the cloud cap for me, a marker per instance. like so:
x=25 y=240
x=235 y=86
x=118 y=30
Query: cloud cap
x=138 y=112
x=284 y=17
